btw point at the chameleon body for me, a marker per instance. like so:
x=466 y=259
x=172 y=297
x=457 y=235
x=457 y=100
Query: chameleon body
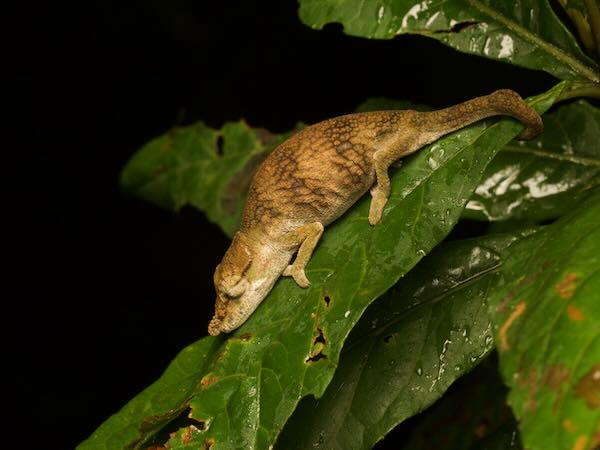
x=315 y=176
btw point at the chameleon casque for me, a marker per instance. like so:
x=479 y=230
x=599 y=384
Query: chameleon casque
x=315 y=176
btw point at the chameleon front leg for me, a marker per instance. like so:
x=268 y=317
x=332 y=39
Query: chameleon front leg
x=307 y=237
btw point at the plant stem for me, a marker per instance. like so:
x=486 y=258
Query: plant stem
x=577 y=89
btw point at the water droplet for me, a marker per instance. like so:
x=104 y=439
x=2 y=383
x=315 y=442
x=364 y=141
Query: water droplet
x=346 y=314
x=392 y=362
x=433 y=163
x=419 y=371
x=380 y=13
x=457 y=368
x=447 y=342
x=420 y=252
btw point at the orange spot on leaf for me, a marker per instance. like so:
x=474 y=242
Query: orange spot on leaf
x=566 y=287
x=531 y=383
x=569 y=426
x=186 y=436
x=208 y=380
x=555 y=377
x=517 y=312
x=580 y=443
x=588 y=388
x=575 y=313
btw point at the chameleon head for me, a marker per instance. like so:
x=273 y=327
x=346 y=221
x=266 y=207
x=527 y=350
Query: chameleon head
x=245 y=276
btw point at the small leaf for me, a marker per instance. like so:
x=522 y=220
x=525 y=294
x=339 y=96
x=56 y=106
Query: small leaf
x=144 y=416
x=407 y=349
x=542 y=179
x=197 y=165
x=522 y=32
x=547 y=323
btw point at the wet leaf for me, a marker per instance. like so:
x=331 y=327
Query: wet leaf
x=543 y=178
x=534 y=180
x=472 y=415
x=547 y=324
x=163 y=401
x=289 y=348
x=407 y=349
x=522 y=32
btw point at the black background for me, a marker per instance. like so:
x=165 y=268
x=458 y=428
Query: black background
x=103 y=289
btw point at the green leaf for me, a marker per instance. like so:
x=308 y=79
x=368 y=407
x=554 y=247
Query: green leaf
x=543 y=178
x=197 y=165
x=407 y=349
x=471 y=415
x=522 y=32
x=144 y=416
x=547 y=321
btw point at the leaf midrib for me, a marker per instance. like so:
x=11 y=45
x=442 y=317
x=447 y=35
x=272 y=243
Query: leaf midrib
x=428 y=302
x=558 y=53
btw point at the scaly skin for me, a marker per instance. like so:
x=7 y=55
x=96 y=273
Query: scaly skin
x=315 y=176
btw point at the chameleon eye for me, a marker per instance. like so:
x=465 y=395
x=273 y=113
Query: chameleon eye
x=237 y=290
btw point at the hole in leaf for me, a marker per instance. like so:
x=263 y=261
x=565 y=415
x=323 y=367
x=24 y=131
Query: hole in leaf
x=460 y=26
x=387 y=338
x=327 y=300
x=245 y=337
x=318 y=346
x=220 y=144
x=183 y=420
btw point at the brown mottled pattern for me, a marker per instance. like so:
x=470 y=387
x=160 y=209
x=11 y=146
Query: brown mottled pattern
x=314 y=177
x=320 y=172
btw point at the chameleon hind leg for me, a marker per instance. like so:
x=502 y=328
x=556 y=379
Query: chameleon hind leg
x=382 y=159
x=389 y=154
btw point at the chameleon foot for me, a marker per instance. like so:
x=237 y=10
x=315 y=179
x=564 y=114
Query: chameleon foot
x=297 y=274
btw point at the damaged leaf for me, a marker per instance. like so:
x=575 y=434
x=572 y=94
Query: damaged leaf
x=406 y=350
x=547 y=321
x=202 y=167
x=144 y=417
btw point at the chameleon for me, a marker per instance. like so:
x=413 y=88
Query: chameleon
x=315 y=176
